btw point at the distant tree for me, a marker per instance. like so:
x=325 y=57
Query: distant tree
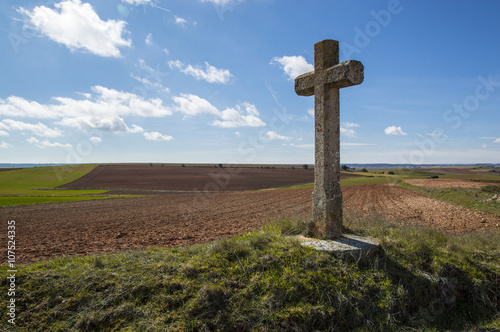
x=390 y=173
x=183 y=165
x=364 y=170
x=344 y=167
x=293 y=167
x=305 y=166
x=150 y=164
x=220 y=166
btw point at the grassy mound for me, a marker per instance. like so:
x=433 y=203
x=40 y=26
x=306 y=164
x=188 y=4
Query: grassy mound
x=266 y=281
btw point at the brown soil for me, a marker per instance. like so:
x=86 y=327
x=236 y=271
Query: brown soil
x=46 y=231
x=411 y=208
x=79 y=228
x=448 y=183
x=140 y=177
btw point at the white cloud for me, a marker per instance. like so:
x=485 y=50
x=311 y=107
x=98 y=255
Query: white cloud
x=350 y=124
x=238 y=134
x=192 y=105
x=497 y=140
x=220 y=2
x=3 y=133
x=103 y=111
x=210 y=74
x=271 y=135
x=393 y=130
x=181 y=21
x=305 y=146
x=243 y=115
x=347 y=132
x=38 y=129
x=95 y=140
x=147 y=82
x=78 y=27
x=293 y=65
x=47 y=144
x=5 y=145
x=137 y=2
x=156 y=136
x=311 y=112
x=149 y=39
x=234 y=117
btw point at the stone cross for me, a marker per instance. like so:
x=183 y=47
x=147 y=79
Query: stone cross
x=324 y=83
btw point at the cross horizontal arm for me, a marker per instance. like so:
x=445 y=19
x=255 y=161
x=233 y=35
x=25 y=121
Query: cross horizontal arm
x=344 y=74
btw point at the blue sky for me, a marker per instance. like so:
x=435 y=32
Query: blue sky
x=212 y=81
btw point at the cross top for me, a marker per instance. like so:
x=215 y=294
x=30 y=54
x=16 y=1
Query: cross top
x=328 y=71
x=324 y=83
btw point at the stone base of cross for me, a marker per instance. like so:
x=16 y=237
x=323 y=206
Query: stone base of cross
x=324 y=83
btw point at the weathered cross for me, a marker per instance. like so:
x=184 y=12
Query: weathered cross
x=324 y=83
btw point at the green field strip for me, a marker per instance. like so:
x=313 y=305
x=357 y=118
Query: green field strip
x=42 y=177
x=36 y=185
x=28 y=200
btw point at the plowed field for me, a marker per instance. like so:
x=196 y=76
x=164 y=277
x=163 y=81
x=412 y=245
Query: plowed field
x=449 y=183
x=156 y=178
x=411 y=208
x=79 y=228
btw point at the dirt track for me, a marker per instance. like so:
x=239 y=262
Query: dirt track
x=56 y=230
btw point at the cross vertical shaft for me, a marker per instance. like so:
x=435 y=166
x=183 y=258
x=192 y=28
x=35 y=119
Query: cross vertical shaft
x=326 y=80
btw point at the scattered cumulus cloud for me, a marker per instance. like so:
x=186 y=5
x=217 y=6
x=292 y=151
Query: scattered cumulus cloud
x=238 y=134
x=5 y=145
x=272 y=135
x=147 y=82
x=47 y=144
x=209 y=74
x=311 y=112
x=193 y=105
x=497 y=140
x=219 y=2
x=149 y=39
x=181 y=21
x=38 y=129
x=293 y=65
x=95 y=140
x=243 y=115
x=350 y=124
x=303 y=146
x=104 y=111
x=347 y=132
x=156 y=136
x=3 y=133
x=137 y=2
x=77 y=26
x=393 y=130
